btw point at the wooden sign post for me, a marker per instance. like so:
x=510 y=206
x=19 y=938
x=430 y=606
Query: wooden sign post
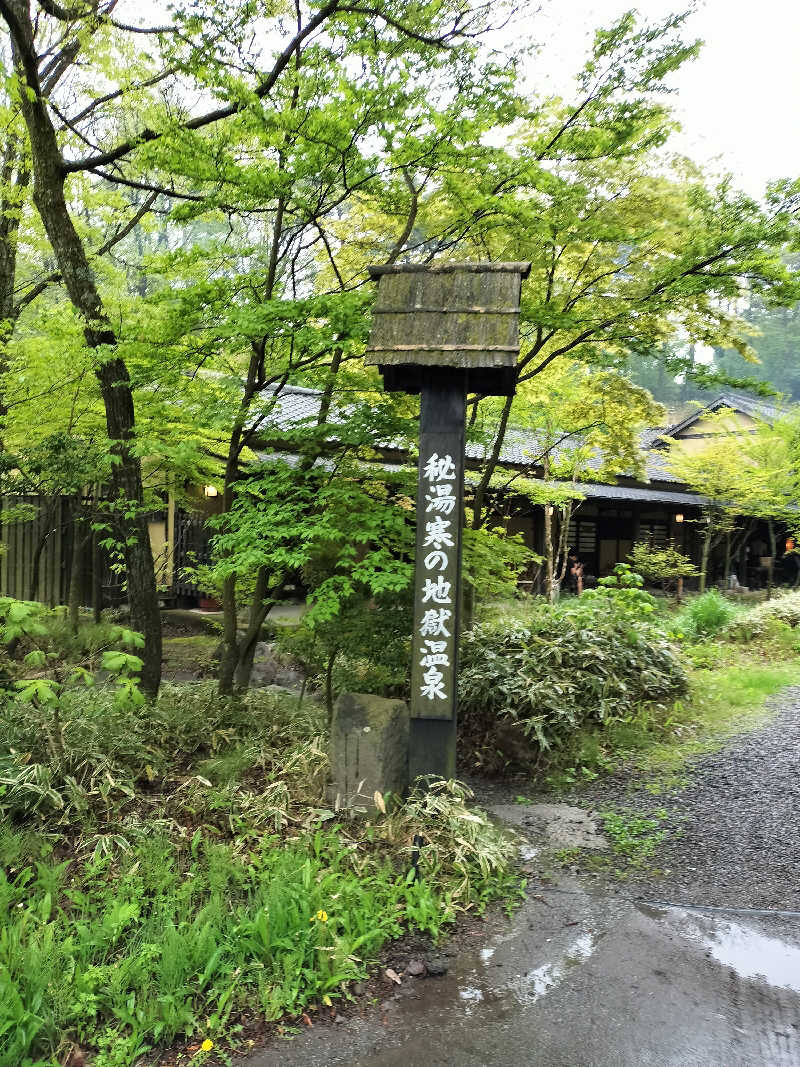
x=442 y=330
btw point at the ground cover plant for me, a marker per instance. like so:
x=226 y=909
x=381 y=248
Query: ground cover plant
x=561 y=663
x=525 y=690
x=171 y=871
x=704 y=616
x=757 y=622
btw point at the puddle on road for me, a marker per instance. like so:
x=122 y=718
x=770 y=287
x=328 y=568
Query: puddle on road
x=531 y=987
x=751 y=954
x=527 y=853
x=470 y=996
x=476 y=989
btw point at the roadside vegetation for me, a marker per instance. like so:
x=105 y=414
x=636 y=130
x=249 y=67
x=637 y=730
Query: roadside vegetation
x=173 y=873
x=568 y=692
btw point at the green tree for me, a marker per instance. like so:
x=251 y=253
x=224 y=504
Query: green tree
x=665 y=566
x=585 y=425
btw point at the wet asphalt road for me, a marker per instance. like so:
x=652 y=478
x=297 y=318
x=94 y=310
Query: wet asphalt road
x=582 y=980
x=590 y=976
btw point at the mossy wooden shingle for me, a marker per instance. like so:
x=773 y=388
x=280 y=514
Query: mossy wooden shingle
x=452 y=315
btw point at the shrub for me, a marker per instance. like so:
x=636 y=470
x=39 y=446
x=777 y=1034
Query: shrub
x=705 y=616
x=178 y=938
x=366 y=647
x=662 y=566
x=523 y=691
x=755 y=623
x=105 y=751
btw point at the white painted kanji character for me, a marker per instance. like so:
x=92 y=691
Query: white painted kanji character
x=435 y=646
x=433 y=623
x=438 y=591
x=435 y=659
x=436 y=559
x=441 y=499
x=434 y=684
x=439 y=470
x=438 y=533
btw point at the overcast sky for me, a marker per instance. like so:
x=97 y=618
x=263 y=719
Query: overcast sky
x=738 y=102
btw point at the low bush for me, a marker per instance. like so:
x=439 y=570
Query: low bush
x=662 y=566
x=94 y=759
x=183 y=938
x=366 y=647
x=172 y=871
x=526 y=690
x=755 y=622
x=704 y=616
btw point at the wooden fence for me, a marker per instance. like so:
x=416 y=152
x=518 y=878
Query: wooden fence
x=36 y=554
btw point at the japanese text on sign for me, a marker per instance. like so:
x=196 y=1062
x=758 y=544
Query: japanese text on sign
x=435 y=628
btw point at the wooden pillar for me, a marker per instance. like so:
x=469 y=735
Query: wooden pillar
x=439 y=330
x=440 y=510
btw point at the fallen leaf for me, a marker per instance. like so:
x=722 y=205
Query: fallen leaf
x=393 y=976
x=307 y=1020
x=380 y=803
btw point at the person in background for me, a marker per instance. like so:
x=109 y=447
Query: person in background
x=575 y=571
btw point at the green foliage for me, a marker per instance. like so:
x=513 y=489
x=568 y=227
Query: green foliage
x=754 y=623
x=365 y=648
x=208 y=881
x=494 y=560
x=634 y=836
x=704 y=616
x=662 y=566
x=171 y=869
x=525 y=691
x=177 y=938
x=623 y=594
x=285 y=520
x=107 y=750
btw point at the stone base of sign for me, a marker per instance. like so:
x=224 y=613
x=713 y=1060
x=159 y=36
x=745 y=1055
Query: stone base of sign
x=369 y=747
x=432 y=748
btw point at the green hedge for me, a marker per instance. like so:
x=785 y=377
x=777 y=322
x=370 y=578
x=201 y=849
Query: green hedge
x=537 y=684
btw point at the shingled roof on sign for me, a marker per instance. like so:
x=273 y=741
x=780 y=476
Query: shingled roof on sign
x=439 y=316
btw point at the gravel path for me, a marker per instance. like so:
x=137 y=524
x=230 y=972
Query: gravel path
x=734 y=829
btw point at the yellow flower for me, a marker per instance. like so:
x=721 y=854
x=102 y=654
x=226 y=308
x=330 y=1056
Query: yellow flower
x=207 y=1045
x=322 y=916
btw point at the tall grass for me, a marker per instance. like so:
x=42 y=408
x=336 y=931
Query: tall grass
x=705 y=616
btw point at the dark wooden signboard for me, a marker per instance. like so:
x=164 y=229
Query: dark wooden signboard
x=438 y=568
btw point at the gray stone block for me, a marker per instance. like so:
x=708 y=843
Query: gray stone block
x=369 y=745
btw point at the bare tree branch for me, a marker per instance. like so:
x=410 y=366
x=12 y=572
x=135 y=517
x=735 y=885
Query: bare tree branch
x=148 y=135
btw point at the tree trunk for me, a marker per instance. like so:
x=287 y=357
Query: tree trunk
x=259 y=609
x=491 y=464
x=97 y=579
x=111 y=371
x=727 y=571
x=550 y=585
x=706 y=552
x=230 y=652
x=36 y=561
x=773 y=550
x=329 y=684
x=76 y=553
